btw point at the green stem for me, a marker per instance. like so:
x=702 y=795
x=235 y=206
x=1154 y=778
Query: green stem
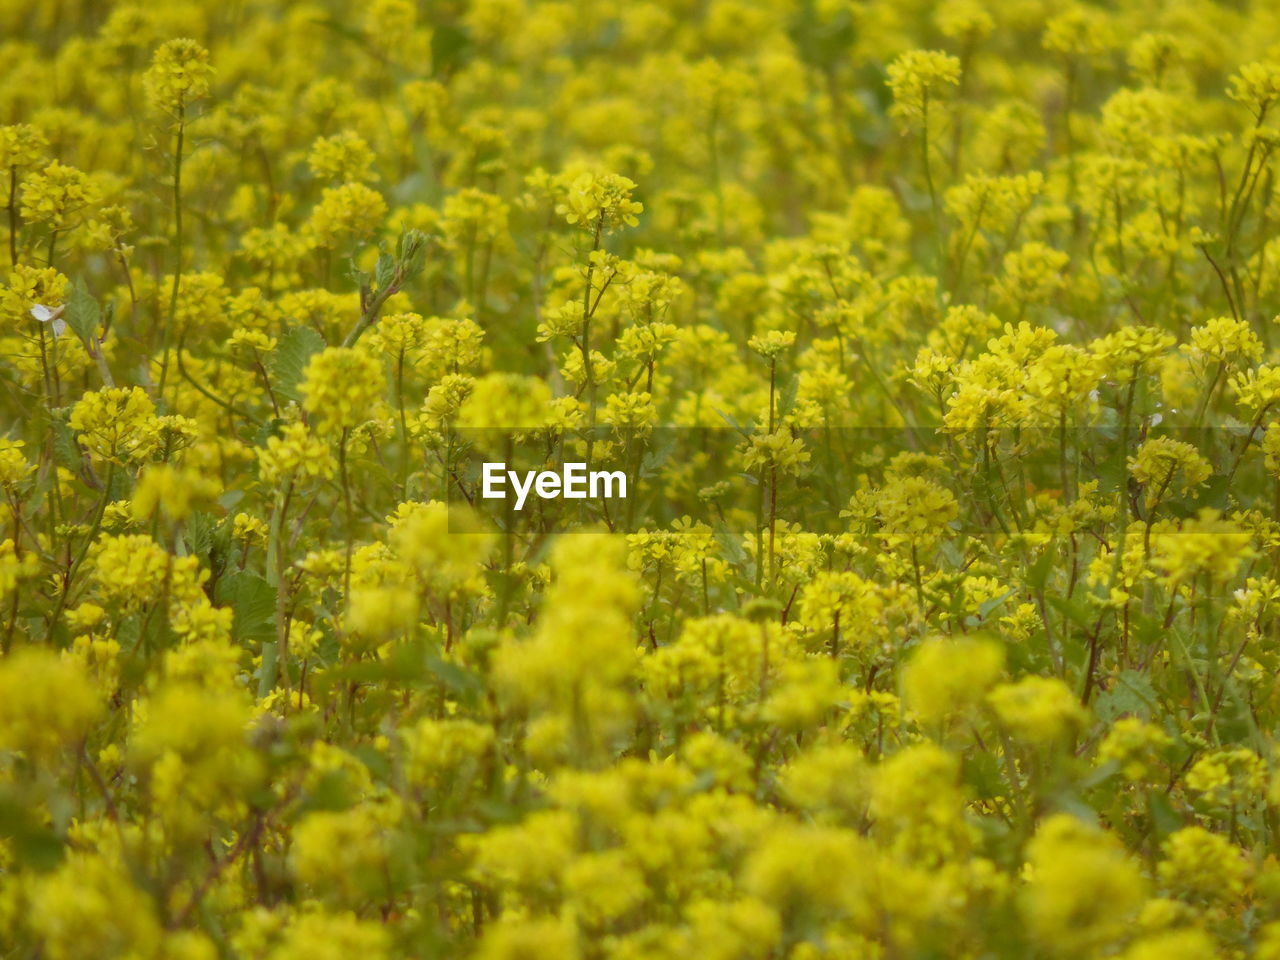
x=13 y=217
x=84 y=548
x=167 y=335
x=346 y=508
x=404 y=427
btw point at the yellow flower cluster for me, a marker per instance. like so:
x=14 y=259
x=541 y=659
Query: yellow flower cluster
x=937 y=343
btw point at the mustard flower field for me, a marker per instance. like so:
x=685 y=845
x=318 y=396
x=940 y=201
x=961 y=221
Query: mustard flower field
x=936 y=345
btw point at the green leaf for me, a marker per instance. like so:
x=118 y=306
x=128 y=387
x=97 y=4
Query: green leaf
x=730 y=544
x=411 y=252
x=1164 y=816
x=357 y=276
x=1074 y=610
x=332 y=791
x=1038 y=574
x=290 y=360
x=728 y=418
x=657 y=455
x=994 y=602
x=254 y=603
x=982 y=772
x=121 y=487
x=83 y=315
x=31 y=841
x=460 y=681
x=385 y=270
x=66 y=452
x=787 y=398
x=1131 y=692
x=1216 y=493
x=199 y=533
x=449 y=47
x=229 y=499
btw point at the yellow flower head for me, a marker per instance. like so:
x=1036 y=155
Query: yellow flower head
x=118 y=424
x=341 y=387
x=919 y=79
x=179 y=74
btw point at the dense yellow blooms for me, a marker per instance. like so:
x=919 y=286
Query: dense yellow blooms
x=179 y=73
x=340 y=388
x=916 y=78
x=118 y=424
x=46 y=704
x=351 y=212
x=937 y=344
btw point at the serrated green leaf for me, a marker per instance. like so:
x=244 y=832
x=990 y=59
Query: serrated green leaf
x=656 y=456
x=121 y=485
x=83 y=315
x=66 y=453
x=199 y=533
x=1074 y=610
x=787 y=398
x=32 y=842
x=987 y=606
x=1131 y=692
x=449 y=46
x=1038 y=574
x=1164 y=816
x=254 y=602
x=385 y=270
x=290 y=360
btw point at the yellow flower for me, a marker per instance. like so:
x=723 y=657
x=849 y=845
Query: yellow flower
x=1228 y=777
x=347 y=214
x=917 y=79
x=506 y=401
x=1078 y=30
x=341 y=387
x=1161 y=461
x=21 y=145
x=518 y=939
x=1135 y=746
x=344 y=853
x=1257 y=86
x=90 y=906
x=58 y=196
x=295 y=452
x=47 y=703
x=1038 y=710
x=1082 y=892
x=1202 y=866
x=947 y=676
x=14 y=468
x=118 y=424
x=1205 y=544
x=1224 y=339
x=916 y=509
x=599 y=203
x=332 y=936
x=173 y=491
x=832 y=780
x=130 y=570
x=344 y=157
x=179 y=74
x=772 y=344
x=377 y=614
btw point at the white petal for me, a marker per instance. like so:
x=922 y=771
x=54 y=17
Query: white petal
x=42 y=313
x=58 y=326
